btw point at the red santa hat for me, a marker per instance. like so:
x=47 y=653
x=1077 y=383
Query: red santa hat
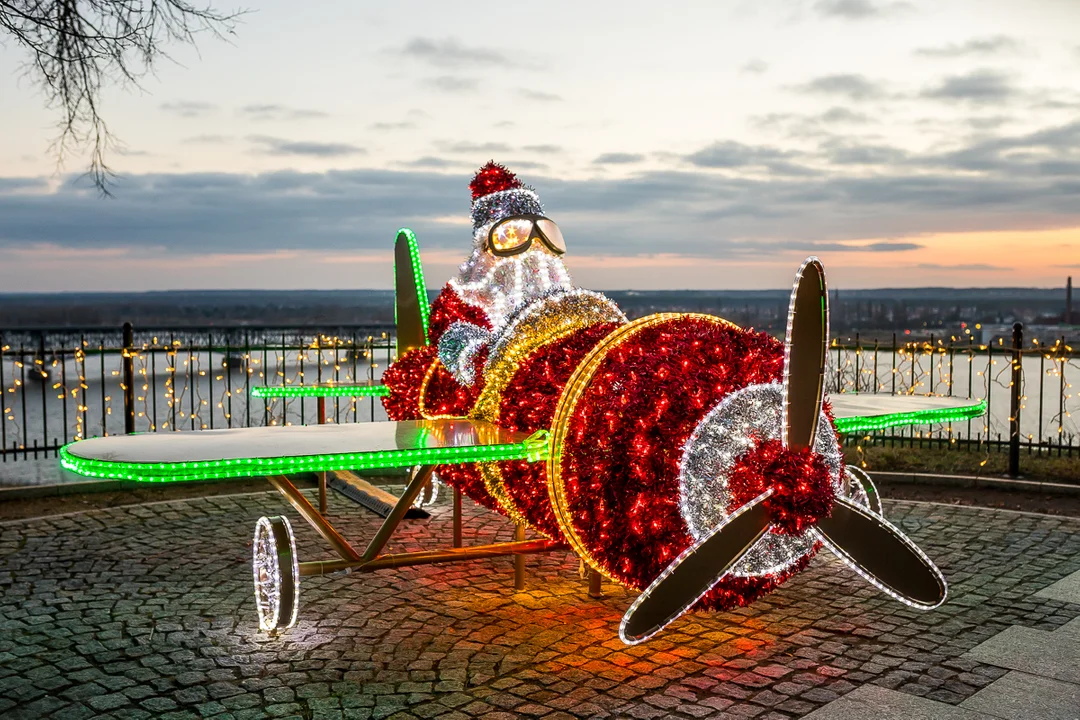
x=497 y=193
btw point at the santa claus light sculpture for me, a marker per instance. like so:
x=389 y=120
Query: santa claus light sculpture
x=690 y=458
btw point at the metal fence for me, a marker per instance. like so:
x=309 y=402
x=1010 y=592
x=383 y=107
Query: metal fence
x=59 y=384
x=1028 y=389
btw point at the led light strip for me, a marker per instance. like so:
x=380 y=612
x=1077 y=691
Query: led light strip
x=533 y=449
x=418 y=278
x=422 y=393
x=869 y=423
x=295 y=391
x=568 y=401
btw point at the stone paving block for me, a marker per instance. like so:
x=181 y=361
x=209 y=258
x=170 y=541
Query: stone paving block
x=870 y=702
x=1051 y=655
x=1020 y=696
x=1067 y=589
x=152 y=606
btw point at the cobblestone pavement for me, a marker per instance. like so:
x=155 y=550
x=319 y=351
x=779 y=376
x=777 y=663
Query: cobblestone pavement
x=147 y=611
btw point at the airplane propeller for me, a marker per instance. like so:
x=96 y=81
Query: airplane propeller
x=862 y=538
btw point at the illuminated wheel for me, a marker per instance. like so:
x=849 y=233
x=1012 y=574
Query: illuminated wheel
x=276 y=574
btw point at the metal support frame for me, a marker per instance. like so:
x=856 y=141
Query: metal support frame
x=457 y=517
x=595 y=579
x=420 y=478
x=371 y=559
x=519 y=560
x=314 y=518
x=322 y=475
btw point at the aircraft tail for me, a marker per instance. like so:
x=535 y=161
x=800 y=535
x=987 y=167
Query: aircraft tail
x=411 y=309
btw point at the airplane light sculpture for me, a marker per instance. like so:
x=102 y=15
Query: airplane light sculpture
x=677 y=454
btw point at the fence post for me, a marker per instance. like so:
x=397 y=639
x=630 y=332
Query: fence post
x=1014 y=410
x=129 y=378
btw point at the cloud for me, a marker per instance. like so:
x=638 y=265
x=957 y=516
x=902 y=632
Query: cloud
x=728 y=154
x=846 y=152
x=860 y=9
x=618 y=158
x=977 y=87
x=387 y=126
x=975 y=267
x=429 y=161
x=283 y=147
x=450 y=53
x=855 y=87
x=997 y=184
x=540 y=96
x=994 y=45
x=1051 y=152
x=875 y=247
x=988 y=123
x=471 y=148
x=279 y=112
x=451 y=84
x=756 y=66
x=18 y=184
x=843 y=115
x=208 y=140
x=187 y=109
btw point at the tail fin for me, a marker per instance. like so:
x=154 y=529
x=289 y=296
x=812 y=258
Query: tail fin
x=411 y=308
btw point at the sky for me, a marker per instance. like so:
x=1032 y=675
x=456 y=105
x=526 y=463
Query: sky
x=701 y=145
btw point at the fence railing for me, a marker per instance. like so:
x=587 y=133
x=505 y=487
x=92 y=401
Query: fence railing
x=1028 y=389
x=59 y=384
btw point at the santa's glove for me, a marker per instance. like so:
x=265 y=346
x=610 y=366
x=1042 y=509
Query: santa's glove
x=458 y=347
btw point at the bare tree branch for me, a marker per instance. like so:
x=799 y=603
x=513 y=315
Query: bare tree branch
x=76 y=47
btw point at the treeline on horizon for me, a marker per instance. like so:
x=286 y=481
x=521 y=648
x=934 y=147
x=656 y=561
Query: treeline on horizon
x=851 y=310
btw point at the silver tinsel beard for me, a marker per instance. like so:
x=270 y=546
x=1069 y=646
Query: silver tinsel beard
x=710 y=454
x=501 y=285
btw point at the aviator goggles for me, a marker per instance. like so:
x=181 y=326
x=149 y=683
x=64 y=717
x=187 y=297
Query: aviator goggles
x=515 y=235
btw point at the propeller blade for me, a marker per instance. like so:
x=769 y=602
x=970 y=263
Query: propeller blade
x=804 y=355
x=878 y=551
x=695 y=571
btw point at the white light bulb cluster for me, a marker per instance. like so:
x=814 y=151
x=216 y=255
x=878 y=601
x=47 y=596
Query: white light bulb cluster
x=730 y=430
x=269 y=576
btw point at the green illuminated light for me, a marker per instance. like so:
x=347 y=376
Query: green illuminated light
x=295 y=391
x=534 y=449
x=418 y=276
x=859 y=424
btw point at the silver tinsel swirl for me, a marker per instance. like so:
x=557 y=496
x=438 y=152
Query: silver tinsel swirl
x=458 y=347
x=574 y=303
x=710 y=454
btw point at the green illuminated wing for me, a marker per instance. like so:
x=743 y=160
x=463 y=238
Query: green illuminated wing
x=411 y=310
x=857 y=413
x=253 y=452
